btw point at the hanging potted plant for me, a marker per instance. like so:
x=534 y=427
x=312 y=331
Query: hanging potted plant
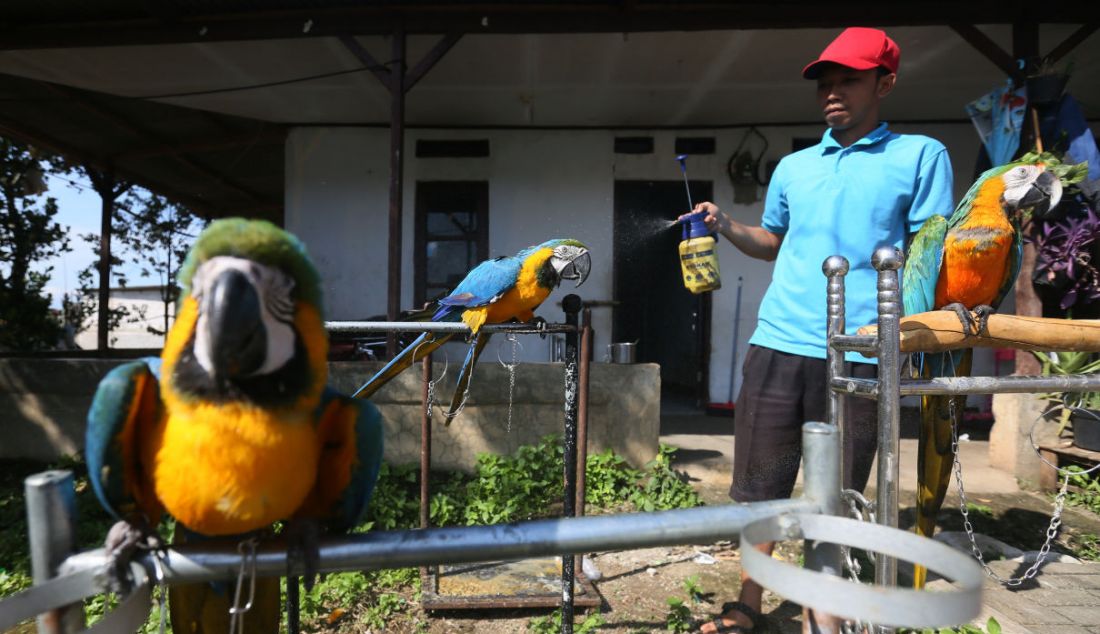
x=1046 y=85
x=1080 y=411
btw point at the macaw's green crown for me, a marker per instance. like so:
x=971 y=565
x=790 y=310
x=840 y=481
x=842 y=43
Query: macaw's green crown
x=259 y=241
x=551 y=244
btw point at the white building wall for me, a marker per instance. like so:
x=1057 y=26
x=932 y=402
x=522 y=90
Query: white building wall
x=542 y=184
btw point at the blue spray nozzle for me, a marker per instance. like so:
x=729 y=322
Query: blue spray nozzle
x=682 y=160
x=694 y=227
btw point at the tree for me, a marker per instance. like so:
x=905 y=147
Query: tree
x=28 y=235
x=152 y=233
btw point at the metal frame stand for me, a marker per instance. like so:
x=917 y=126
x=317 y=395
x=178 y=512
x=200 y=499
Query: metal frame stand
x=890 y=387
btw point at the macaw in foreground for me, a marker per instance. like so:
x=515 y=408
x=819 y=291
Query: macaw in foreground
x=233 y=428
x=503 y=289
x=964 y=263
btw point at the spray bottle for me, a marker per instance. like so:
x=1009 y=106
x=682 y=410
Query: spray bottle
x=698 y=260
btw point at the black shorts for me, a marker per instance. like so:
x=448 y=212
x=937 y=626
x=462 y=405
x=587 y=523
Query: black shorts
x=779 y=393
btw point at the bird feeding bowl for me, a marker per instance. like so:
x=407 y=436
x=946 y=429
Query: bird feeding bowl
x=625 y=352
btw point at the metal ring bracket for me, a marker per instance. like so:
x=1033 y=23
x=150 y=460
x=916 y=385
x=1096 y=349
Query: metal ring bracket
x=74 y=588
x=894 y=607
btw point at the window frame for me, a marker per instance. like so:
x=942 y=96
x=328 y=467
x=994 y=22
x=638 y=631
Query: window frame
x=427 y=193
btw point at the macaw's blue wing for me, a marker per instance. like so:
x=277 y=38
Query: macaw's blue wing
x=351 y=439
x=1012 y=269
x=483 y=285
x=125 y=408
x=922 y=267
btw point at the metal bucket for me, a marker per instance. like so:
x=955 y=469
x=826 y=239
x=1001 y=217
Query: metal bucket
x=622 y=352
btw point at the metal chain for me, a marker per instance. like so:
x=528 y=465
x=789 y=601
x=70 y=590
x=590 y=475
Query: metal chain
x=1052 y=529
x=862 y=509
x=247 y=549
x=511 y=367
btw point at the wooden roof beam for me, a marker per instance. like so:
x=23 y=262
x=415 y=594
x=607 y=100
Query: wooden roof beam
x=268 y=136
x=125 y=124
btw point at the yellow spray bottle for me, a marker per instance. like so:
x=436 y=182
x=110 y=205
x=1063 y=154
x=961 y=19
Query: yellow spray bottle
x=698 y=259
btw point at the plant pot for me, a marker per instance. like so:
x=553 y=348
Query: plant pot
x=1045 y=89
x=1086 y=429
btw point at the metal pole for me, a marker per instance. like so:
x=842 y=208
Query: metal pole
x=835 y=268
x=220 y=561
x=572 y=306
x=582 y=414
x=821 y=459
x=51 y=524
x=426 y=458
x=397 y=179
x=887 y=261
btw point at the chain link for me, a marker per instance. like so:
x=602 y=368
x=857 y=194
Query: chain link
x=862 y=509
x=511 y=367
x=1052 y=529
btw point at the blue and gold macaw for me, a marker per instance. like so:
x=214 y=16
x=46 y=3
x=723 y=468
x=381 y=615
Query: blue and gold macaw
x=233 y=427
x=496 y=291
x=964 y=263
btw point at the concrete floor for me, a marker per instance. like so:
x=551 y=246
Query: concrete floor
x=706 y=452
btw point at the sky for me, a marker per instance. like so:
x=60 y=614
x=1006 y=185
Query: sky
x=78 y=210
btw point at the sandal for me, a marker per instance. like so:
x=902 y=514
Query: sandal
x=720 y=626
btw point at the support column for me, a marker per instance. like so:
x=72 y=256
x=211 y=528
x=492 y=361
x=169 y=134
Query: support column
x=397 y=181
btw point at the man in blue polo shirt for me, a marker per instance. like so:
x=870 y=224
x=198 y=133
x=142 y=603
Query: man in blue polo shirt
x=860 y=188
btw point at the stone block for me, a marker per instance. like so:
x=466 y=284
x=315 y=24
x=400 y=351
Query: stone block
x=45 y=404
x=1010 y=447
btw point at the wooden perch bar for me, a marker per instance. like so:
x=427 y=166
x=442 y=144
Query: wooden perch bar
x=941 y=330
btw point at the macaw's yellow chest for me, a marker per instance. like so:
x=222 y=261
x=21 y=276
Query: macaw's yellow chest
x=975 y=265
x=229 y=469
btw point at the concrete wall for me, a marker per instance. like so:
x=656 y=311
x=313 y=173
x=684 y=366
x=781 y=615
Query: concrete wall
x=45 y=403
x=542 y=183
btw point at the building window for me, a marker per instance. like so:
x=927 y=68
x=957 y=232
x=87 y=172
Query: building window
x=452 y=234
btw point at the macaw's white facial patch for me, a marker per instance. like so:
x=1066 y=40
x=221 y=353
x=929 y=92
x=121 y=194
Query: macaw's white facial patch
x=276 y=309
x=571 y=262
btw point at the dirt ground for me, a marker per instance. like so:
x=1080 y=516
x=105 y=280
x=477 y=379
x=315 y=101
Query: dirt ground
x=635 y=585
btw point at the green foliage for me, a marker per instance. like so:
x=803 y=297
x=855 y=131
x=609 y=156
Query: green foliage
x=395 y=501
x=28 y=235
x=679 y=616
x=523 y=486
x=991 y=627
x=662 y=487
x=691 y=587
x=1086 y=546
x=551 y=623
x=1084 y=491
x=980 y=509
x=607 y=476
x=1069 y=174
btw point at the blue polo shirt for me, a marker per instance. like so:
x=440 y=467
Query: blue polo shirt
x=828 y=200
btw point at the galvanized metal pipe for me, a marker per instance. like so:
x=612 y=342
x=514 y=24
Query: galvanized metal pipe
x=214 y=561
x=868 y=388
x=822 y=454
x=864 y=344
x=435 y=326
x=887 y=261
x=51 y=527
x=835 y=268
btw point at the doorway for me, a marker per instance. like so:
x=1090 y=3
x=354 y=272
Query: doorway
x=671 y=326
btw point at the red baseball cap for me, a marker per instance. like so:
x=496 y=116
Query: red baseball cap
x=859 y=48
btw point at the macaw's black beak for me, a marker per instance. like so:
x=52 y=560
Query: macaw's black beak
x=1043 y=195
x=236 y=331
x=578 y=269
